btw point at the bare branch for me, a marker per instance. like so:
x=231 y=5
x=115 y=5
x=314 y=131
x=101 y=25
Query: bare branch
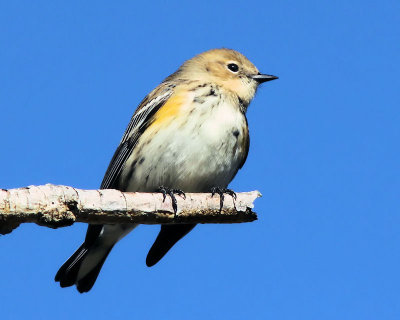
x=59 y=206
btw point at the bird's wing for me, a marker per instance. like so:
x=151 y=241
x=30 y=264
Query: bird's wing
x=139 y=121
x=246 y=145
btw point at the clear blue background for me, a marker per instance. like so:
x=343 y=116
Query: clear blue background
x=324 y=153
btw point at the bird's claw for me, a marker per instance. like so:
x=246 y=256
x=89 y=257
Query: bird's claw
x=171 y=193
x=221 y=192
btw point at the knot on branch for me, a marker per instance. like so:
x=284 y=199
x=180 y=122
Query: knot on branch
x=56 y=219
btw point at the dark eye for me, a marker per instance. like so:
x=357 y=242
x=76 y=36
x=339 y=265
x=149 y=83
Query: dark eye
x=233 y=67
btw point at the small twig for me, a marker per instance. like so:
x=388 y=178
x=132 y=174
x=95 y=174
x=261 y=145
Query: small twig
x=59 y=206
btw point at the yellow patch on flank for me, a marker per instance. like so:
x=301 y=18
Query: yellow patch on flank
x=169 y=110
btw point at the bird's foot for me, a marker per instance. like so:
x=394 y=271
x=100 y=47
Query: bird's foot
x=221 y=192
x=171 y=193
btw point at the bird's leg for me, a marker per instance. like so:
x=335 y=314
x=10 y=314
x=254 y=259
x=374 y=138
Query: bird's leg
x=221 y=192
x=171 y=193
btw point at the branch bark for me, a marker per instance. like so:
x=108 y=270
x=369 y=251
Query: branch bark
x=60 y=206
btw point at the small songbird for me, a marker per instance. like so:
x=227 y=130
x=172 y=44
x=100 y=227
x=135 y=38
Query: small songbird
x=189 y=134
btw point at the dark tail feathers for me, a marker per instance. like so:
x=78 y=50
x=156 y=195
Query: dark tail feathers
x=168 y=236
x=67 y=275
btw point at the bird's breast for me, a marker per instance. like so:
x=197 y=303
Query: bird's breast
x=199 y=145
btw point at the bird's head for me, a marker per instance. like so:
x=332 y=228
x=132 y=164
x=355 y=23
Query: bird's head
x=227 y=68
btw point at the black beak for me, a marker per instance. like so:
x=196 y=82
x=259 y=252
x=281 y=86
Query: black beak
x=260 y=78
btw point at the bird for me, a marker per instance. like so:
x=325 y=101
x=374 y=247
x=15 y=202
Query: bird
x=190 y=134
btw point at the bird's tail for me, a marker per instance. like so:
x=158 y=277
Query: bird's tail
x=83 y=267
x=168 y=236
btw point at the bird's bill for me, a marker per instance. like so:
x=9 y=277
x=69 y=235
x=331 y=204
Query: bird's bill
x=260 y=78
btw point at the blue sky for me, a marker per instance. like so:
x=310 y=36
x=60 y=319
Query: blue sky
x=324 y=153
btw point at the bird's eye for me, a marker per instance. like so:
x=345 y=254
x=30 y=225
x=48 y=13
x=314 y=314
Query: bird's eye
x=233 y=67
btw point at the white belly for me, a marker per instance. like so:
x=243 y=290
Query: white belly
x=200 y=149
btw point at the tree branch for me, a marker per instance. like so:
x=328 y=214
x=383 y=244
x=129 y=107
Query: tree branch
x=59 y=206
